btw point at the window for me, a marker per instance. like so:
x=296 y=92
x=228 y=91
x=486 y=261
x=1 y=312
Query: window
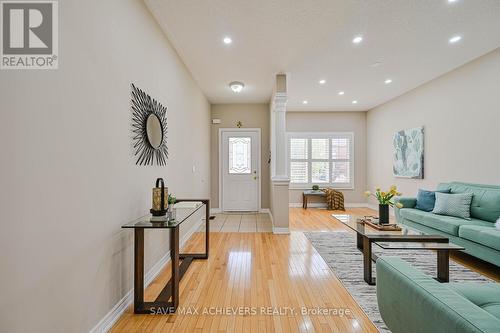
x=324 y=159
x=240 y=156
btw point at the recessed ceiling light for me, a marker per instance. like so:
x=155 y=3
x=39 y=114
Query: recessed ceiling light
x=387 y=81
x=455 y=39
x=452 y=1
x=322 y=81
x=227 y=40
x=341 y=93
x=305 y=102
x=354 y=102
x=357 y=39
x=236 y=86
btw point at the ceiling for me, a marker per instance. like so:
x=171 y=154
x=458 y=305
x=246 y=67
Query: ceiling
x=312 y=40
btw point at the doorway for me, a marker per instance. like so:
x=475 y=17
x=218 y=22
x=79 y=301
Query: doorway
x=239 y=169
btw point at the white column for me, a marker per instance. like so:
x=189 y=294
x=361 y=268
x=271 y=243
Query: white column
x=279 y=131
x=279 y=170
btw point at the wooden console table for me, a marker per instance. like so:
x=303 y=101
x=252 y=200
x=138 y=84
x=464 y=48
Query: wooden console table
x=168 y=299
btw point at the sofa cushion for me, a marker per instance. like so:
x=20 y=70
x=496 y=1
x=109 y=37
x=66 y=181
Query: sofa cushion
x=457 y=205
x=487 y=236
x=484 y=295
x=427 y=199
x=447 y=224
x=485 y=203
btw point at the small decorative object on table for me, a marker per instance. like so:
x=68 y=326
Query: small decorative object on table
x=160 y=203
x=384 y=200
x=315 y=187
x=374 y=222
x=171 y=210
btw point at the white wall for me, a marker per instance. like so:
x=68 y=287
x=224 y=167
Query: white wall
x=335 y=122
x=68 y=178
x=461 y=115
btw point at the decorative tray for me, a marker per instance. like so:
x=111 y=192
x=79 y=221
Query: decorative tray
x=373 y=222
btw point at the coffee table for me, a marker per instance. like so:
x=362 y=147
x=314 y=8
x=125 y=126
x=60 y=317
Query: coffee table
x=405 y=239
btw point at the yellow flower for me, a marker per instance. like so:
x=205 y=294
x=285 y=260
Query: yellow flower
x=383 y=194
x=399 y=205
x=368 y=193
x=393 y=188
x=377 y=189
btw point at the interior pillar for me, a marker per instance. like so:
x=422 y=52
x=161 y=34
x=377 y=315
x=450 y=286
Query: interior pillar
x=279 y=171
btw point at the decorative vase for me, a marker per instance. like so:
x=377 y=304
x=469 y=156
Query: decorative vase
x=383 y=214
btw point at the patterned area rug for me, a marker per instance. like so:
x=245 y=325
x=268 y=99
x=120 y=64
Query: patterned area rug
x=339 y=251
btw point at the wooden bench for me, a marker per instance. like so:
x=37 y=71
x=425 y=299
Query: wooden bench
x=311 y=193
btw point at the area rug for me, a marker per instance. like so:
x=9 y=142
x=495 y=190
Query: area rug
x=339 y=251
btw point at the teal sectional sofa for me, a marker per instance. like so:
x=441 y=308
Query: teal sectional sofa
x=478 y=236
x=411 y=302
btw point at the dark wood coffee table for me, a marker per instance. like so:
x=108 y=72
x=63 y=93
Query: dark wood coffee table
x=406 y=239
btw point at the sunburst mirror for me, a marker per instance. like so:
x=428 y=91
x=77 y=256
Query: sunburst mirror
x=149 y=128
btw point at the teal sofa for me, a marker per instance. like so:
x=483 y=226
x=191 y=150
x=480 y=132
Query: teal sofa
x=478 y=236
x=411 y=302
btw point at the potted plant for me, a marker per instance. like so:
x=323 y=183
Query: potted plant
x=170 y=209
x=384 y=202
x=315 y=187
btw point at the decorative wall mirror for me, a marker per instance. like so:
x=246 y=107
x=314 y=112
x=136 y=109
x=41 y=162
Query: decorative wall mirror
x=149 y=127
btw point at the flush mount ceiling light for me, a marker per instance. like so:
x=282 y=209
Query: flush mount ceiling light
x=388 y=81
x=322 y=81
x=357 y=39
x=305 y=102
x=452 y=1
x=341 y=93
x=354 y=102
x=236 y=86
x=455 y=39
x=227 y=40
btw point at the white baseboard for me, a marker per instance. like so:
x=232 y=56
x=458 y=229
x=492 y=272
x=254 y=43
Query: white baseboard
x=119 y=308
x=323 y=205
x=278 y=230
x=215 y=211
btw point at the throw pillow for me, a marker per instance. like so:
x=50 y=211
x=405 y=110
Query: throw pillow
x=334 y=199
x=457 y=205
x=426 y=199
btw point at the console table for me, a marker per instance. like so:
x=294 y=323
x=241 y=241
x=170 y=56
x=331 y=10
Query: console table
x=168 y=299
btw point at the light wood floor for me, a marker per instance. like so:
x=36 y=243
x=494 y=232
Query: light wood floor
x=256 y=272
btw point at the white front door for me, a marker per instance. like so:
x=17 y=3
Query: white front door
x=240 y=170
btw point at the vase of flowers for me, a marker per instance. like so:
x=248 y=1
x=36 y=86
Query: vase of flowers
x=385 y=200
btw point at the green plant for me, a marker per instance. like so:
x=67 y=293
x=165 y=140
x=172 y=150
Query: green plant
x=171 y=199
x=315 y=187
x=384 y=198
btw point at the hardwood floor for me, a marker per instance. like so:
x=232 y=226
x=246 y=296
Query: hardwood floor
x=261 y=272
